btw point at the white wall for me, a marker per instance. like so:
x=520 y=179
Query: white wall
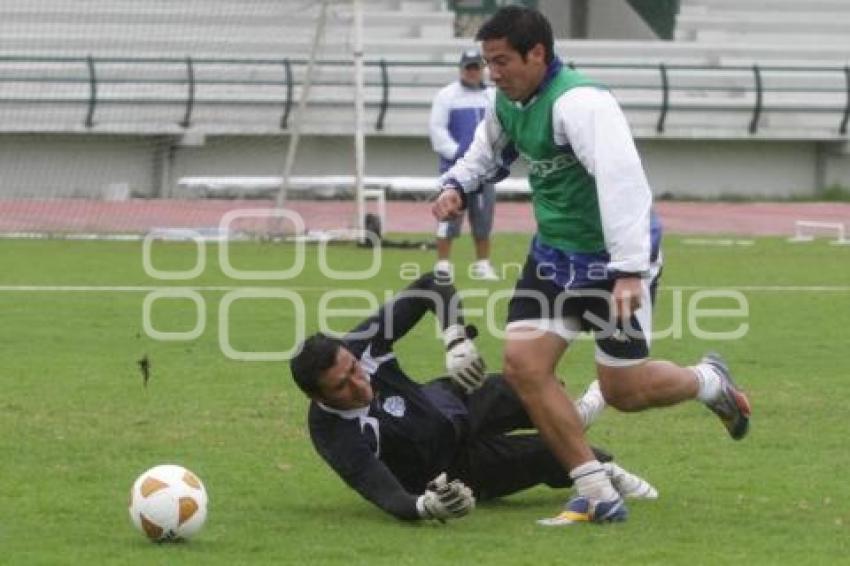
x=711 y=169
x=684 y=168
x=69 y=165
x=836 y=165
x=316 y=156
x=86 y=165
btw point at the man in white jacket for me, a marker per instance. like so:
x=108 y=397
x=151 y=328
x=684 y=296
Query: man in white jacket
x=455 y=113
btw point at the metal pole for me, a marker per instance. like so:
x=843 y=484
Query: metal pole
x=665 y=98
x=92 y=92
x=359 y=115
x=190 y=96
x=754 y=123
x=295 y=134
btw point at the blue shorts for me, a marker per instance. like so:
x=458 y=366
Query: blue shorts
x=540 y=304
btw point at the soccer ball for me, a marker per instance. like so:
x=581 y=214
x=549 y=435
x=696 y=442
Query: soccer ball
x=168 y=502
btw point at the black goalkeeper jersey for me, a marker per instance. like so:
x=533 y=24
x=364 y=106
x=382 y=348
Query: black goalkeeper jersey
x=409 y=433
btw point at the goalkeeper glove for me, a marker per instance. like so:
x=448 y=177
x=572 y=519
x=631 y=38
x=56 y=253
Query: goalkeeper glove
x=445 y=499
x=464 y=364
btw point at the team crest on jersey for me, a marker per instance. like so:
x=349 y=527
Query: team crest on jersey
x=395 y=406
x=545 y=167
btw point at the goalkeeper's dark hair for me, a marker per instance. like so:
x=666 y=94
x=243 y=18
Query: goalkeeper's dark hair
x=318 y=354
x=522 y=27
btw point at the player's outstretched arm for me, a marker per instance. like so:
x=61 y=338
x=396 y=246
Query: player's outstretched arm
x=397 y=316
x=464 y=364
x=346 y=450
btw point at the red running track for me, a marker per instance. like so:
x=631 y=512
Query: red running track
x=138 y=216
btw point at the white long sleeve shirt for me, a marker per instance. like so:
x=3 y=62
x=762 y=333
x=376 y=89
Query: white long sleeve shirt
x=588 y=120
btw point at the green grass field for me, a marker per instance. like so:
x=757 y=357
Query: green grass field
x=77 y=425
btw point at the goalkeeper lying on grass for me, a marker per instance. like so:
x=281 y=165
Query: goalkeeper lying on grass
x=427 y=451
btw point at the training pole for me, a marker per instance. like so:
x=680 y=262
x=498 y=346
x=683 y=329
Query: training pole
x=359 y=112
x=295 y=133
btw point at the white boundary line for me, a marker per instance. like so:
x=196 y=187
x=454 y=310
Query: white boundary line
x=763 y=288
x=227 y=288
x=144 y=288
x=723 y=242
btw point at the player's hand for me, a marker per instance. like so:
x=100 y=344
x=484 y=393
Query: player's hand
x=463 y=362
x=448 y=205
x=626 y=298
x=445 y=499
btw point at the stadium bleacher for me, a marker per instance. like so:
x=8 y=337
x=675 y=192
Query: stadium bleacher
x=785 y=22
x=139 y=57
x=200 y=69
x=773 y=24
x=204 y=28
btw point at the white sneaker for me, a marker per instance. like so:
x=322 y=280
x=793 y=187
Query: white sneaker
x=483 y=271
x=444 y=270
x=581 y=509
x=628 y=484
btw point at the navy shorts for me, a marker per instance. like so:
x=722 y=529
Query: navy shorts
x=540 y=304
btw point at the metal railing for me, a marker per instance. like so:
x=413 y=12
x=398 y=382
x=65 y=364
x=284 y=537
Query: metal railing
x=668 y=84
x=486 y=6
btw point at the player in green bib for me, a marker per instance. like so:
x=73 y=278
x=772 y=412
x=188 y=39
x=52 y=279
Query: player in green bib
x=594 y=261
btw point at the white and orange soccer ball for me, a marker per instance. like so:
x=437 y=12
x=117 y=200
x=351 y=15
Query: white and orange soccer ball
x=168 y=502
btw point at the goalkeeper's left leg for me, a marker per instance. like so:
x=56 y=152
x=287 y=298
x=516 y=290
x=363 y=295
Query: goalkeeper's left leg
x=503 y=464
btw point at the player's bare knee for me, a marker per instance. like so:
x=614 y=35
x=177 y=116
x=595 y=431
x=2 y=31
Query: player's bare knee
x=521 y=373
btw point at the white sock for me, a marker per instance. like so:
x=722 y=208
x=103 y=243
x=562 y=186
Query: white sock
x=443 y=265
x=629 y=484
x=708 y=381
x=591 y=404
x=612 y=469
x=591 y=480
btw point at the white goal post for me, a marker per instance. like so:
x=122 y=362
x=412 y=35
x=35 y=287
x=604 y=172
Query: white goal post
x=359 y=118
x=807 y=230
